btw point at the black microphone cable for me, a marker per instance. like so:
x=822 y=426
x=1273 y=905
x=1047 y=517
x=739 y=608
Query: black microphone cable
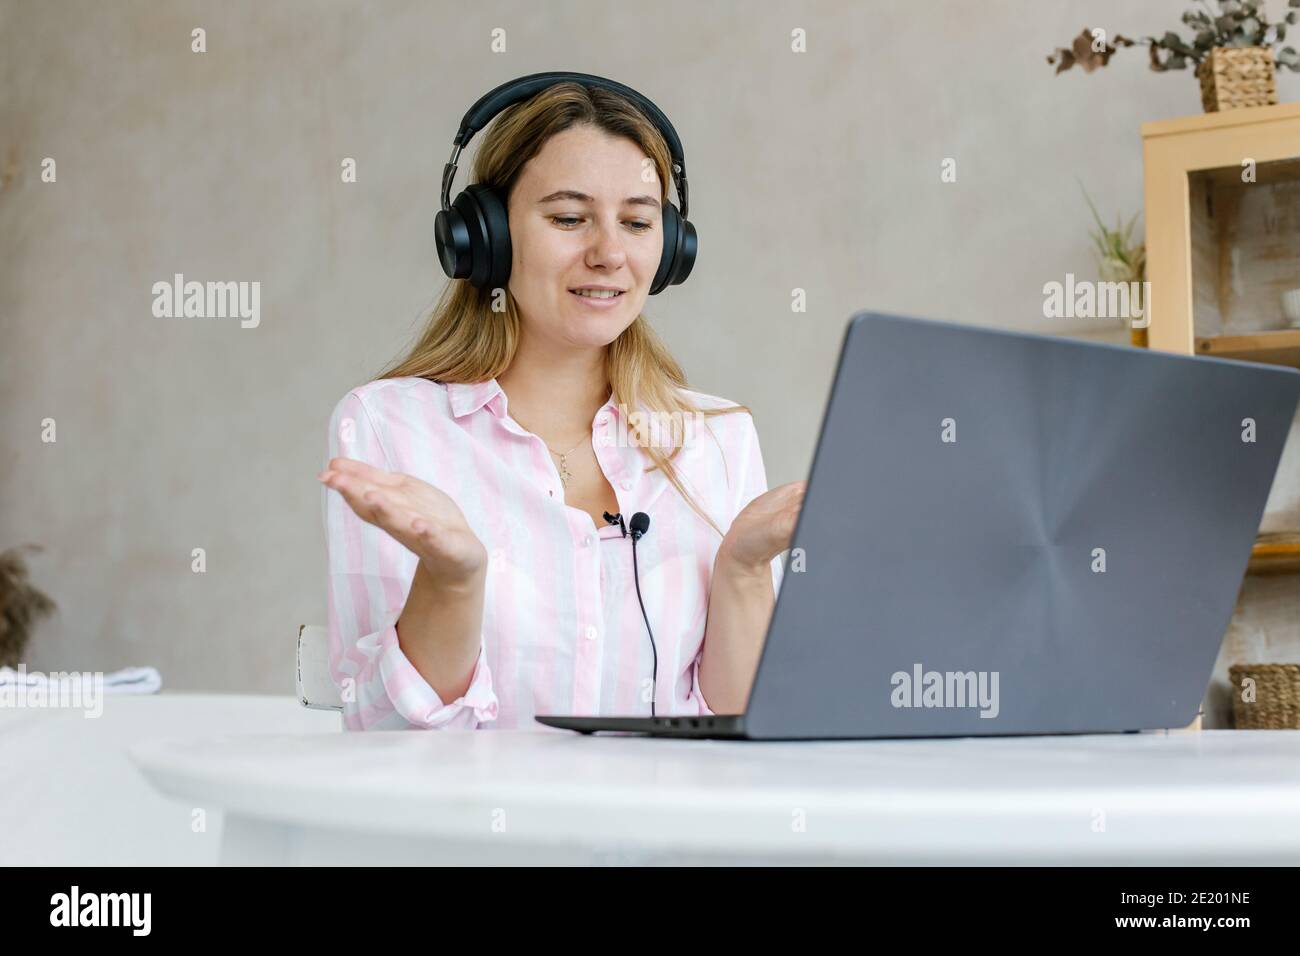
x=640 y=525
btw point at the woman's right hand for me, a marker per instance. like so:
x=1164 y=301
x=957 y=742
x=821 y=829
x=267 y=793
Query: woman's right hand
x=419 y=516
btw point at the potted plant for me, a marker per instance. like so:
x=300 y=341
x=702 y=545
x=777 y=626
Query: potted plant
x=21 y=605
x=1235 y=49
x=1120 y=258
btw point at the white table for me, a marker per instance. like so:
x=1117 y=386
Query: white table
x=400 y=797
x=70 y=797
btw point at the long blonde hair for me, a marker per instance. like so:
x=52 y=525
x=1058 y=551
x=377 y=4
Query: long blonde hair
x=466 y=341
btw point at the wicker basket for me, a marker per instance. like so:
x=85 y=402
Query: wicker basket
x=1236 y=77
x=1277 y=696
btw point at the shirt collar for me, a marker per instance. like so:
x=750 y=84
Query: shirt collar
x=467 y=398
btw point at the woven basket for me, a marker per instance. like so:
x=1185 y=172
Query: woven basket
x=1277 y=696
x=1236 y=77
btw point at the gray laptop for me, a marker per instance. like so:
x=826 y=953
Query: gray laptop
x=1007 y=533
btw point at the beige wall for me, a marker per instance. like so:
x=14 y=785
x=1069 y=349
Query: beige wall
x=816 y=170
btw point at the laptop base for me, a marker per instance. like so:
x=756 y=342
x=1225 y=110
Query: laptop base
x=725 y=726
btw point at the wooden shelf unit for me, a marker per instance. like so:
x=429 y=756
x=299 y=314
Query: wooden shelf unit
x=1220 y=250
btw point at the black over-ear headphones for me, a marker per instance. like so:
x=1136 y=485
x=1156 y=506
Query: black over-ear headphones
x=473 y=233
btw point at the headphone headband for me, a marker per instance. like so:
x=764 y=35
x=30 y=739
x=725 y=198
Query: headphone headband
x=507 y=94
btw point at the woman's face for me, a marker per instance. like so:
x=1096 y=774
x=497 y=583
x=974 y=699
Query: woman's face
x=584 y=214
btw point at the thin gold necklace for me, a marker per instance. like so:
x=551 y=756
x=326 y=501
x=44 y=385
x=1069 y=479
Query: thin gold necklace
x=565 y=474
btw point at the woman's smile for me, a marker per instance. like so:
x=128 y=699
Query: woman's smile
x=598 y=297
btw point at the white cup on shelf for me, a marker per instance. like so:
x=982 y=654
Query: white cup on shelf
x=1291 y=307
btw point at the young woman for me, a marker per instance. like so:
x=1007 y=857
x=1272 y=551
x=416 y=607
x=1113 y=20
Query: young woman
x=474 y=580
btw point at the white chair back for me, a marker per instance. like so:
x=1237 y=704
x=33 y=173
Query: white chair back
x=316 y=688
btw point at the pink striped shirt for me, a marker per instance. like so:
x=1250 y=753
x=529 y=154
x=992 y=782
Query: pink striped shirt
x=562 y=629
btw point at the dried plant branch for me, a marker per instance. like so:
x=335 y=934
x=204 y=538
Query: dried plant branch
x=21 y=605
x=1231 y=23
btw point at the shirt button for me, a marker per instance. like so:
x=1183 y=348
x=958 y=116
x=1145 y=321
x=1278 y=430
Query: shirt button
x=587 y=540
x=591 y=632
x=606 y=441
x=626 y=485
x=602 y=420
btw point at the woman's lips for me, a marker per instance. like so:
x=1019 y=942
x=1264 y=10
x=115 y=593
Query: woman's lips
x=608 y=302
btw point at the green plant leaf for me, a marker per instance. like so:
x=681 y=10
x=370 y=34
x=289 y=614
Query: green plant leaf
x=1088 y=200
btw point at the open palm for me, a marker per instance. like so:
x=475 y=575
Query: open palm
x=419 y=516
x=764 y=527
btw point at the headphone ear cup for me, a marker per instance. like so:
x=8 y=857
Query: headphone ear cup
x=473 y=238
x=678 y=256
x=491 y=267
x=452 y=236
x=688 y=243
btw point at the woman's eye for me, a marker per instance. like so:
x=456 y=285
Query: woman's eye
x=568 y=222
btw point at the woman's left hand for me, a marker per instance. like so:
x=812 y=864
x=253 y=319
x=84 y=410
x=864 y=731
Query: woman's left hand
x=764 y=527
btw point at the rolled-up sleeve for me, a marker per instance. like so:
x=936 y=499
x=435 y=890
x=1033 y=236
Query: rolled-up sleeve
x=696 y=694
x=369 y=577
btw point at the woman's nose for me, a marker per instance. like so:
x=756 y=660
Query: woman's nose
x=606 y=247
